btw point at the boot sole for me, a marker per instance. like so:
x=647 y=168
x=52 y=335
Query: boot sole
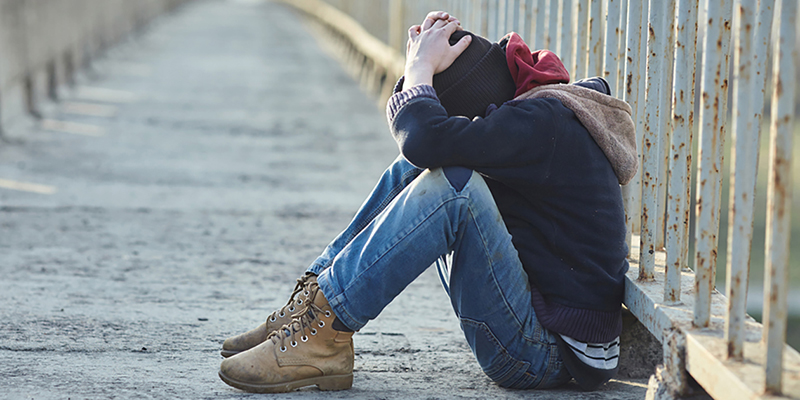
x=229 y=353
x=333 y=382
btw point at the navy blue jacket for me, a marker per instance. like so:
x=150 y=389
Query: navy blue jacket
x=556 y=191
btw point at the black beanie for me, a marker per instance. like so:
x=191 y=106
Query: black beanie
x=477 y=78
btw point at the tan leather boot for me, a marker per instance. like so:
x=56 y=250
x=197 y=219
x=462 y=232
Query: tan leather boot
x=278 y=318
x=308 y=351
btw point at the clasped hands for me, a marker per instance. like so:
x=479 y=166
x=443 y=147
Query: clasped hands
x=428 y=51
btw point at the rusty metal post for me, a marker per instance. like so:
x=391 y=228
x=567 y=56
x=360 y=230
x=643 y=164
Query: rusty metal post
x=581 y=39
x=652 y=150
x=500 y=16
x=512 y=15
x=552 y=26
x=541 y=24
x=491 y=19
x=713 y=91
x=397 y=30
x=611 y=53
x=665 y=127
x=681 y=145
x=621 y=48
x=665 y=124
x=634 y=96
x=458 y=8
x=525 y=16
x=484 y=18
x=470 y=21
x=420 y=11
x=779 y=194
x=727 y=26
x=744 y=170
x=567 y=43
x=761 y=43
x=595 y=41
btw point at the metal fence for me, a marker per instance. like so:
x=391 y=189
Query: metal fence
x=648 y=52
x=44 y=43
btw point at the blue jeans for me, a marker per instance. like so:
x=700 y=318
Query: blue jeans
x=415 y=218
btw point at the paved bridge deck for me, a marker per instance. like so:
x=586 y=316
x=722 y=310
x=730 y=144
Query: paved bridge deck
x=170 y=200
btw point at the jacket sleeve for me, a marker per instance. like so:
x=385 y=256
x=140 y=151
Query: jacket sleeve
x=515 y=134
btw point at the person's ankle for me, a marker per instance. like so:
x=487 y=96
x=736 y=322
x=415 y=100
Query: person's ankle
x=338 y=325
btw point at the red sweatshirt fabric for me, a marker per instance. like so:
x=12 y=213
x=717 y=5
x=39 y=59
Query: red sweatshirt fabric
x=532 y=69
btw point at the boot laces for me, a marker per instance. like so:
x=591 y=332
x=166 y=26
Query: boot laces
x=305 y=320
x=299 y=287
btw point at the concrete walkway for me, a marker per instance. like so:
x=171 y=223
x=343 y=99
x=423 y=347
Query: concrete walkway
x=171 y=201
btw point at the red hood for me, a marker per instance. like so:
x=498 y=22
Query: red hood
x=532 y=69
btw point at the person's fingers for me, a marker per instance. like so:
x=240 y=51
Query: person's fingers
x=439 y=23
x=432 y=17
x=413 y=32
x=427 y=24
x=450 y=27
x=461 y=45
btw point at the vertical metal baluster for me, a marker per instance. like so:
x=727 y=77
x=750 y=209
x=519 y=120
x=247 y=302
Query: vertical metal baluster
x=524 y=24
x=595 y=42
x=491 y=15
x=559 y=28
x=610 y=60
x=744 y=170
x=713 y=91
x=513 y=15
x=397 y=31
x=681 y=145
x=422 y=11
x=567 y=50
x=665 y=125
x=529 y=28
x=761 y=44
x=502 y=22
x=541 y=25
x=484 y=18
x=779 y=194
x=621 y=48
x=552 y=26
x=643 y=54
x=635 y=97
x=581 y=39
x=727 y=41
x=651 y=152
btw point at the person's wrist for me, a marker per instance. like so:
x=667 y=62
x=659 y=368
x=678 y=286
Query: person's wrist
x=416 y=75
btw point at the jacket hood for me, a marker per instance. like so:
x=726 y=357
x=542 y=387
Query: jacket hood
x=531 y=69
x=607 y=119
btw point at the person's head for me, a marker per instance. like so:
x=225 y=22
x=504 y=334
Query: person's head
x=493 y=73
x=477 y=78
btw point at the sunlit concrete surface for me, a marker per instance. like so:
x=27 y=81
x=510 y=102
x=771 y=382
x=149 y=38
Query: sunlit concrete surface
x=221 y=150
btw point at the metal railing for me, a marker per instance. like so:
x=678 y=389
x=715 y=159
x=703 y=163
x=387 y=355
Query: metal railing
x=648 y=54
x=43 y=44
